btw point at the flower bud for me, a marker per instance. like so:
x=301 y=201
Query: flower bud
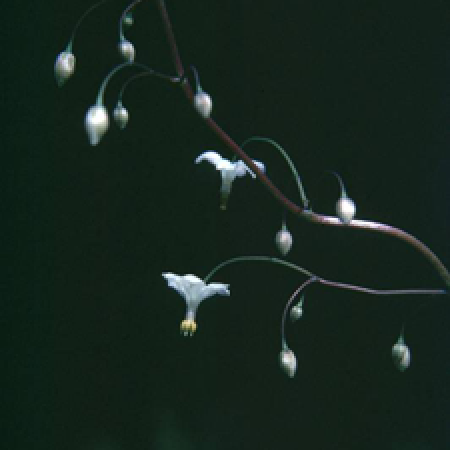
x=401 y=355
x=203 y=104
x=345 y=209
x=283 y=240
x=120 y=114
x=64 y=67
x=288 y=362
x=127 y=51
x=96 y=123
x=128 y=19
x=296 y=312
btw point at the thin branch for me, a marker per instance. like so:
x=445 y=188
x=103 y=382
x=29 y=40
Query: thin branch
x=288 y=204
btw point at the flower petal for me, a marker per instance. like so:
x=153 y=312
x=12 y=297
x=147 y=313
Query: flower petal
x=175 y=282
x=215 y=159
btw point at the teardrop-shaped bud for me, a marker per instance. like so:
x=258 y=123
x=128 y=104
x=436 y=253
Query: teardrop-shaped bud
x=296 y=312
x=345 y=209
x=401 y=356
x=120 y=115
x=128 y=19
x=64 y=67
x=96 y=123
x=283 y=241
x=127 y=51
x=203 y=104
x=288 y=362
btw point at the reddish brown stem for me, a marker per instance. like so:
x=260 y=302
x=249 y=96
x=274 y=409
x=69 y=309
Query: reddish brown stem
x=292 y=207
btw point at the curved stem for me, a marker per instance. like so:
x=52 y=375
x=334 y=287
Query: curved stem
x=116 y=69
x=146 y=73
x=292 y=207
x=352 y=287
x=341 y=183
x=286 y=309
x=325 y=282
x=301 y=190
x=75 y=28
x=101 y=91
x=122 y=18
x=268 y=259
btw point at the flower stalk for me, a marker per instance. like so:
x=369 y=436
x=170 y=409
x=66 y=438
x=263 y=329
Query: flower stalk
x=288 y=204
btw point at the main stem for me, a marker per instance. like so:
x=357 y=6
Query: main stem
x=289 y=205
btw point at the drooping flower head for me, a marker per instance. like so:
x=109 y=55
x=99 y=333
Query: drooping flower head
x=229 y=171
x=194 y=291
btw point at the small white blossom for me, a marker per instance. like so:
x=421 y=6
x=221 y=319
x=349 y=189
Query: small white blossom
x=229 y=171
x=64 y=67
x=96 y=123
x=194 y=291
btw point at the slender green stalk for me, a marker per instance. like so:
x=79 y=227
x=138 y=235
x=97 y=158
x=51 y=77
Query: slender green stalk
x=122 y=18
x=147 y=71
x=301 y=190
x=75 y=28
x=268 y=259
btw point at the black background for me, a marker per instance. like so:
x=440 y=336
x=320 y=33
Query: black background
x=92 y=354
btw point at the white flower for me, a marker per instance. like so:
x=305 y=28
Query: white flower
x=229 y=171
x=64 y=67
x=96 y=123
x=194 y=291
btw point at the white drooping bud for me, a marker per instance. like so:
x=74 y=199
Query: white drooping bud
x=126 y=50
x=297 y=310
x=96 y=123
x=401 y=356
x=128 y=19
x=345 y=209
x=64 y=67
x=120 y=115
x=203 y=103
x=283 y=240
x=288 y=362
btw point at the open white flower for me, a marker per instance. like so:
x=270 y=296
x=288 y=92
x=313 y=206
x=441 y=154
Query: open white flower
x=229 y=171
x=194 y=291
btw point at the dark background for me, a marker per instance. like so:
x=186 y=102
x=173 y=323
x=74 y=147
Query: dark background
x=92 y=354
